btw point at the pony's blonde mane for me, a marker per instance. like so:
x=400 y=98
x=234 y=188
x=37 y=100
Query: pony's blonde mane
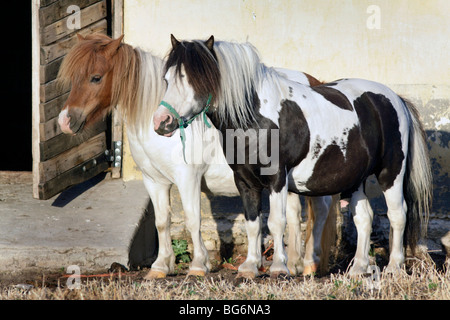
x=137 y=85
x=146 y=91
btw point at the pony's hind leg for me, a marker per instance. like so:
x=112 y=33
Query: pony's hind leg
x=165 y=262
x=362 y=216
x=397 y=217
x=293 y=217
x=319 y=207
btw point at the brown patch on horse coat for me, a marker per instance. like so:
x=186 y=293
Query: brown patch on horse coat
x=371 y=106
x=334 y=96
x=332 y=169
x=312 y=81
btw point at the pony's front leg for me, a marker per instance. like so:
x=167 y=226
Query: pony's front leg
x=293 y=216
x=277 y=226
x=251 y=199
x=165 y=262
x=190 y=193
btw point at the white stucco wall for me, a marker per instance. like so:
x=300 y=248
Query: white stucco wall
x=394 y=42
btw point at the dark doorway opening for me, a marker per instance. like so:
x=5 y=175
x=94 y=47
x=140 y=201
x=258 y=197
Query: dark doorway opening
x=15 y=124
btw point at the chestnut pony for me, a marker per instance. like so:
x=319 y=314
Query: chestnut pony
x=104 y=73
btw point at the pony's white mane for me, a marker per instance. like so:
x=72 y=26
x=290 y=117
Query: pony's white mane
x=241 y=75
x=150 y=90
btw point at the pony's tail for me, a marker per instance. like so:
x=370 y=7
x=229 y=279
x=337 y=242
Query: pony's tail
x=418 y=181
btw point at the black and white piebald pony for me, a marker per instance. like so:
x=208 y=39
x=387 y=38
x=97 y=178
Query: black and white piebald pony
x=322 y=140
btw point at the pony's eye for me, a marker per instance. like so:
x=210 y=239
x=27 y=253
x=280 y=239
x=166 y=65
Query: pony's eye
x=96 y=79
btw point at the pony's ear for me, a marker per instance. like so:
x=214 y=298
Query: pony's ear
x=111 y=48
x=80 y=37
x=210 y=43
x=174 y=41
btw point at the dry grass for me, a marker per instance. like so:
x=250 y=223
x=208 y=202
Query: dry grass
x=422 y=281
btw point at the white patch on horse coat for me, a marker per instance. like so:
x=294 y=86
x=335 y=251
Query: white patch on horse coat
x=270 y=107
x=296 y=76
x=270 y=95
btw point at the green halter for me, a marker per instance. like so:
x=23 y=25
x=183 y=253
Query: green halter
x=183 y=123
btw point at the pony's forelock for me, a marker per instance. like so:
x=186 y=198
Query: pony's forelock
x=200 y=65
x=81 y=59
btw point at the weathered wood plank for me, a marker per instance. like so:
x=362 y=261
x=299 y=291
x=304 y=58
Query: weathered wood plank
x=58 y=10
x=65 y=161
x=60 y=48
x=44 y=3
x=51 y=109
x=35 y=101
x=49 y=72
x=52 y=90
x=78 y=174
x=49 y=129
x=59 y=29
x=63 y=142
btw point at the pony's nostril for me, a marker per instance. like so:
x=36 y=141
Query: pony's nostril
x=169 y=119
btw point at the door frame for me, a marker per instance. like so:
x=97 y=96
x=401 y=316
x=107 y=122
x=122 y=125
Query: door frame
x=96 y=164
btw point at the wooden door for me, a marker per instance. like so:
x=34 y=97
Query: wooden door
x=60 y=160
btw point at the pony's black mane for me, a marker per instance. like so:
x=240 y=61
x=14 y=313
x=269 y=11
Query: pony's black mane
x=200 y=64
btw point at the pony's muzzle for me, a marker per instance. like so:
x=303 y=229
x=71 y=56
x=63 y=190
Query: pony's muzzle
x=165 y=124
x=64 y=121
x=71 y=122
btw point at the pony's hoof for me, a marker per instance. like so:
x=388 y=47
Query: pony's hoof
x=393 y=269
x=310 y=269
x=357 y=271
x=279 y=275
x=155 y=274
x=295 y=270
x=196 y=273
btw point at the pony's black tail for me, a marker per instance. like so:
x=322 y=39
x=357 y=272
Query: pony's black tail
x=418 y=181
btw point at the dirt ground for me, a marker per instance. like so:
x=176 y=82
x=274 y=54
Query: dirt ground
x=225 y=271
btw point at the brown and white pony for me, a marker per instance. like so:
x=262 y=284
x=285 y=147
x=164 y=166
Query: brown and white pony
x=104 y=73
x=324 y=140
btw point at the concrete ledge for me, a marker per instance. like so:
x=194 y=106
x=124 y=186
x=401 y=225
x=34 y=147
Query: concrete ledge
x=51 y=258
x=90 y=225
